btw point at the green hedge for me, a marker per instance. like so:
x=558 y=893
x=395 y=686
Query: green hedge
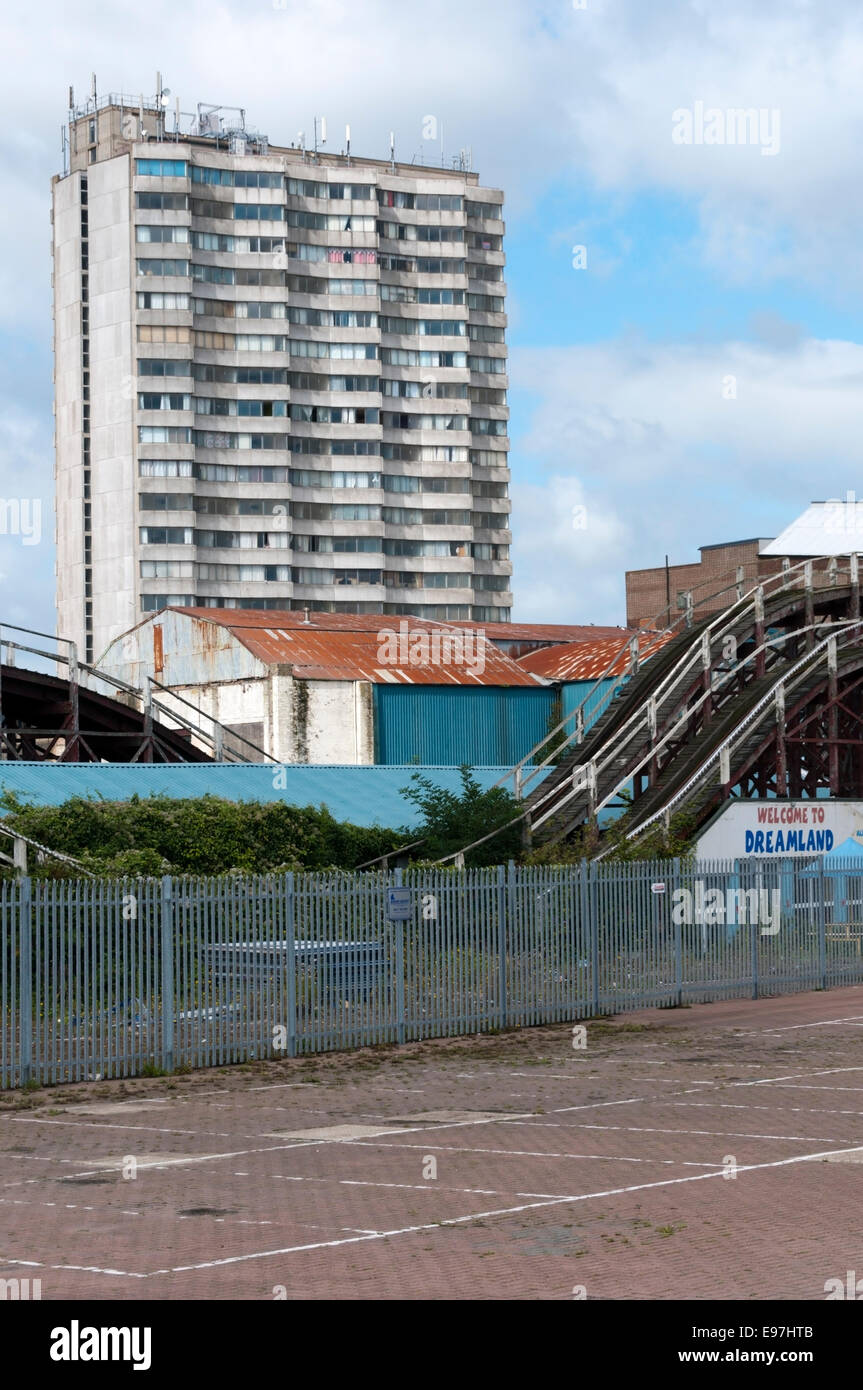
x=202 y=835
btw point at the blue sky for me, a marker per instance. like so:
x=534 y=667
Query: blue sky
x=705 y=262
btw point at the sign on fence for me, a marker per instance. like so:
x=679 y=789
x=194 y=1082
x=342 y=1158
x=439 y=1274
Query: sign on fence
x=399 y=904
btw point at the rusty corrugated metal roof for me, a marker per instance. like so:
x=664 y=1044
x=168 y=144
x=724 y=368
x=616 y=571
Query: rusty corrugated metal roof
x=372 y=647
x=548 y=632
x=580 y=661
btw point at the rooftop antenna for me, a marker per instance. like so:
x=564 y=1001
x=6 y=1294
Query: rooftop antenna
x=177 y=116
x=323 y=120
x=93 y=89
x=348 y=142
x=392 y=150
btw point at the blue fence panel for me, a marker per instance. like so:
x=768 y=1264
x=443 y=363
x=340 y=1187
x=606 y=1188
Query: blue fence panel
x=114 y=978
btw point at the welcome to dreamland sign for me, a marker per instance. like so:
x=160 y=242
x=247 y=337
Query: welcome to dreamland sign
x=760 y=828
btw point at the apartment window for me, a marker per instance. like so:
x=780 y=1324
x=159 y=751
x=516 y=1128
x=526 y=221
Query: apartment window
x=484 y=333
x=254 y=376
x=393 y=420
x=213 y=274
x=162 y=202
x=412 y=357
x=488 y=303
x=167 y=535
x=164 y=434
x=162 y=234
x=490 y=211
x=160 y=366
x=166 y=401
x=235 y=178
x=163 y=333
x=156 y=299
x=497 y=427
x=335 y=414
x=161 y=168
x=152 y=266
x=487 y=364
x=167 y=569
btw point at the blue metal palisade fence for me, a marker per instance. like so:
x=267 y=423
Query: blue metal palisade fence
x=106 y=978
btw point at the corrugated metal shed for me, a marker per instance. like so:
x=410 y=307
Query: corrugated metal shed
x=459 y=725
x=583 y=661
x=343 y=646
x=362 y=795
x=573 y=692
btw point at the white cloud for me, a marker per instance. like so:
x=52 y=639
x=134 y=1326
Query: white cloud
x=642 y=435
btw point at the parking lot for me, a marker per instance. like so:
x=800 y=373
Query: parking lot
x=705 y=1152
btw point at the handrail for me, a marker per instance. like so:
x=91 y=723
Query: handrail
x=145 y=699
x=812 y=658
x=684 y=716
x=684 y=617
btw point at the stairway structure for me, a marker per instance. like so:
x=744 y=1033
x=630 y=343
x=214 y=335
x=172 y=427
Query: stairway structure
x=762 y=698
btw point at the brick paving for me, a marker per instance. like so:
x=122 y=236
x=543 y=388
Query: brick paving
x=509 y=1166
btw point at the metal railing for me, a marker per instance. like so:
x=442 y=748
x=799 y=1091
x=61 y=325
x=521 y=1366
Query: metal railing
x=697 y=656
x=168 y=707
x=806 y=575
x=112 y=978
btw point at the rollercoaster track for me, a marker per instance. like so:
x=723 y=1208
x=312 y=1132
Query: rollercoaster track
x=759 y=694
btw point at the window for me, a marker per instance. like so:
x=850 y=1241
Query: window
x=424 y=202
x=162 y=234
x=335 y=414
x=167 y=569
x=488 y=303
x=151 y=266
x=316 y=188
x=393 y=420
x=493 y=211
x=236 y=178
x=161 y=168
x=165 y=468
x=159 y=366
x=166 y=535
x=250 y=376
x=331 y=221
x=411 y=357
x=484 y=241
x=155 y=299
x=488 y=458
x=333 y=318
x=486 y=364
x=171 y=401
x=301 y=348
x=488 y=427
x=163 y=334
x=162 y=202
x=164 y=434
x=484 y=333
x=255 y=212
x=214 y=274
x=260 y=342
x=214 y=341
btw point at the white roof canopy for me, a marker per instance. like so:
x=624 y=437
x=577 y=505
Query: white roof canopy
x=834 y=527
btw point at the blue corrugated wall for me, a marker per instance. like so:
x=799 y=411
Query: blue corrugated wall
x=484 y=726
x=575 y=691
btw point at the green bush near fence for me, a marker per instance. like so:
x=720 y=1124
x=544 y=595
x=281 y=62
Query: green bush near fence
x=204 y=835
